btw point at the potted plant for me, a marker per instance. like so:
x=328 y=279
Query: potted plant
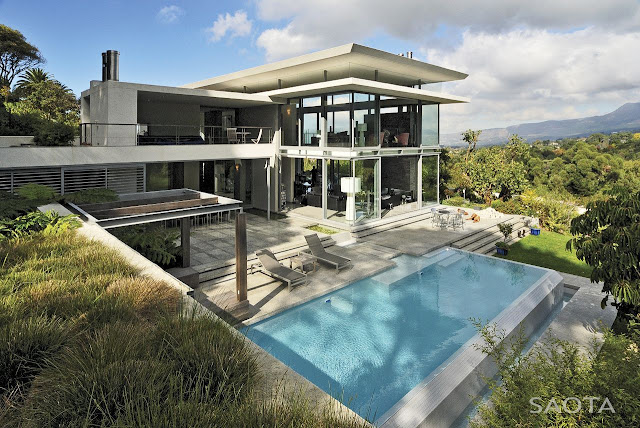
x=535 y=229
x=502 y=248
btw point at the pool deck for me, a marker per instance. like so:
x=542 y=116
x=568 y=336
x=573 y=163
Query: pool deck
x=267 y=296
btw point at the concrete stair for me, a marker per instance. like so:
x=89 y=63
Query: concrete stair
x=392 y=223
x=483 y=241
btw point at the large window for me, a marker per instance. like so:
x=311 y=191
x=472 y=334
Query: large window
x=365 y=121
x=311 y=110
x=398 y=122
x=338 y=113
x=366 y=200
x=429 y=124
x=429 y=180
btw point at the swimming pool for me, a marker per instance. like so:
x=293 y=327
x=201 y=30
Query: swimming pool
x=372 y=342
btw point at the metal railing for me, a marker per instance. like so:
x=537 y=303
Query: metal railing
x=137 y=134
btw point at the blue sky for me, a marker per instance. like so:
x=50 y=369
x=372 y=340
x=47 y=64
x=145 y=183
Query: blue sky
x=527 y=61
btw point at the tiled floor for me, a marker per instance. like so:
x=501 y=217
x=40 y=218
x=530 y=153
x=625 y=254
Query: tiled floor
x=216 y=244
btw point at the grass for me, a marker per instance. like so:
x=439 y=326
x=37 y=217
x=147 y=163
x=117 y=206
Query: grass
x=322 y=229
x=548 y=250
x=86 y=341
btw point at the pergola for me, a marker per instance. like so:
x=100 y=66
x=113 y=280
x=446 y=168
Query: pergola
x=150 y=207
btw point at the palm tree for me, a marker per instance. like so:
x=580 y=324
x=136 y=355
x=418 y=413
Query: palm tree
x=31 y=77
x=34 y=76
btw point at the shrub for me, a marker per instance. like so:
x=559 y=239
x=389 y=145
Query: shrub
x=557 y=370
x=48 y=133
x=459 y=201
x=91 y=196
x=37 y=192
x=12 y=206
x=156 y=243
x=49 y=223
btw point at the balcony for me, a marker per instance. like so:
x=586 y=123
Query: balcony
x=113 y=134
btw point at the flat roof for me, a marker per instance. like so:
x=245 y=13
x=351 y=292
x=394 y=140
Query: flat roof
x=148 y=207
x=350 y=60
x=367 y=86
x=205 y=97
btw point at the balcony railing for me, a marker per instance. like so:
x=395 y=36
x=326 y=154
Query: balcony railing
x=115 y=134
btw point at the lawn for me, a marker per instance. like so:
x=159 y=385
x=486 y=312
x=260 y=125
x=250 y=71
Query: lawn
x=548 y=250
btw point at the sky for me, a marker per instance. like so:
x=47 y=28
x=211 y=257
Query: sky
x=527 y=61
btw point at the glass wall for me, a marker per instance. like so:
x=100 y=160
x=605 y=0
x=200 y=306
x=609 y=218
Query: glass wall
x=399 y=181
x=336 y=197
x=307 y=184
x=338 y=113
x=365 y=120
x=367 y=199
x=361 y=120
x=429 y=124
x=429 y=180
x=398 y=122
x=311 y=111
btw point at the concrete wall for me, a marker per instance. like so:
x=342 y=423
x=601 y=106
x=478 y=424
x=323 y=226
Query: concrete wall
x=29 y=157
x=113 y=104
x=15 y=141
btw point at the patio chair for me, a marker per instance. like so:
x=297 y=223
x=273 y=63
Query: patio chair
x=257 y=140
x=457 y=221
x=435 y=216
x=232 y=136
x=276 y=270
x=317 y=249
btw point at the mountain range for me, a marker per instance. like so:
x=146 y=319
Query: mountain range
x=625 y=118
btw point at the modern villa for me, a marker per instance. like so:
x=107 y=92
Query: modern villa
x=345 y=136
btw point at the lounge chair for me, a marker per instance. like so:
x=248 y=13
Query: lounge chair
x=317 y=249
x=276 y=270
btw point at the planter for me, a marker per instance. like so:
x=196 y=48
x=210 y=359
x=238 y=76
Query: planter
x=535 y=231
x=502 y=251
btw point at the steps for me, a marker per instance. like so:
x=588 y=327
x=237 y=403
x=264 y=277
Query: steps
x=391 y=223
x=483 y=242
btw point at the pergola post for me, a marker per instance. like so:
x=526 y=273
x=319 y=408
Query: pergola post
x=185 y=241
x=241 y=256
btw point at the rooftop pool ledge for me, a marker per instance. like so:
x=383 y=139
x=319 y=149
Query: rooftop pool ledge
x=397 y=347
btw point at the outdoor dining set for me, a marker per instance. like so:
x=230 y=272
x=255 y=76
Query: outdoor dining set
x=447 y=219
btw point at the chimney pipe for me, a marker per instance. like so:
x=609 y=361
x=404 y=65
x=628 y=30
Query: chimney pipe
x=110 y=65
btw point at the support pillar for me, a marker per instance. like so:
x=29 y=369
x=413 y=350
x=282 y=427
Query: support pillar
x=185 y=241
x=241 y=256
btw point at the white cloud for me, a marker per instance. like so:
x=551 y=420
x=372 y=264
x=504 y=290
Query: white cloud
x=170 y=14
x=325 y=23
x=533 y=75
x=235 y=25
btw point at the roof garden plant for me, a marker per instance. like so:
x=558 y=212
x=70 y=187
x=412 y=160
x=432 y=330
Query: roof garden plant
x=85 y=340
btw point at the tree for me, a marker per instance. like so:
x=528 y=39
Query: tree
x=493 y=170
x=16 y=55
x=607 y=237
x=51 y=101
x=471 y=137
x=30 y=78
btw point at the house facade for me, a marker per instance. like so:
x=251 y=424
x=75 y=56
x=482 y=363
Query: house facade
x=346 y=136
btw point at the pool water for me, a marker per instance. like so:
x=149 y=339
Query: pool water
x=371 y=342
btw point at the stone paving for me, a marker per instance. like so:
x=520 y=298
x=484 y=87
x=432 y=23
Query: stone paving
x=215 y=244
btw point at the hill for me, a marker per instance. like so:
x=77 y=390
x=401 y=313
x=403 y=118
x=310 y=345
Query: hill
x=625 y=118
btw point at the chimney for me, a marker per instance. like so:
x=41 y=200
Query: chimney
x=110 y=66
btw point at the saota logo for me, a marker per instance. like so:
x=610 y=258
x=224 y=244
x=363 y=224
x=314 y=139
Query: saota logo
x=571 y=405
